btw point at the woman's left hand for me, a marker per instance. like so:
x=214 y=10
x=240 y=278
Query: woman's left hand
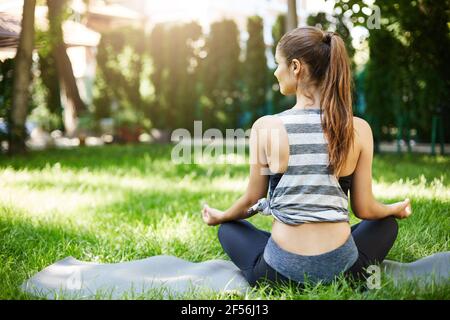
x=211 y=216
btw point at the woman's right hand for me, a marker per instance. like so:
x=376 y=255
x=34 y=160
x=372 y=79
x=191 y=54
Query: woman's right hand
x=211 y=216
x=402 y=209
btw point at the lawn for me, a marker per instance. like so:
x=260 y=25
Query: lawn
x=119 y=203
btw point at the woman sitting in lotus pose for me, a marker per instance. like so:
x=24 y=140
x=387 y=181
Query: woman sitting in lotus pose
x=309 y=157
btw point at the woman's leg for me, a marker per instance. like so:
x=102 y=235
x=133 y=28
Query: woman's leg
x=244 y=244
x=374 y=239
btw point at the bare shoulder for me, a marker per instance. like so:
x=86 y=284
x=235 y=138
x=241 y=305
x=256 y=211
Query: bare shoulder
x=362 y=128
x=266 y=122
x=264 y=127
x=360 y=123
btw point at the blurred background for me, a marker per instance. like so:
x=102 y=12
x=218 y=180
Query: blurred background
x=93 y=72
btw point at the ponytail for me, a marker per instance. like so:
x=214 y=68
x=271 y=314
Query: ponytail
x=336 y=103
x=329 y=68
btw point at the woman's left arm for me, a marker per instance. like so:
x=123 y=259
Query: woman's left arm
x=258 y=181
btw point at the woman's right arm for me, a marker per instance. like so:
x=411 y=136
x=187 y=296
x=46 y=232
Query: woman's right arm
x=363 y=204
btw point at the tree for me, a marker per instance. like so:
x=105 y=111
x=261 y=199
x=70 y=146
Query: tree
x=49 y=76
x=279 y=101
x=255 y=68
x=158 y=53
x=73 y=104
x=183 y=66
x=22 y=76
x=416 y=35
x=175 y=75
x=383 y=81
x=118 y=77
x=221 y=73
x=6 y=88
x=291 y=21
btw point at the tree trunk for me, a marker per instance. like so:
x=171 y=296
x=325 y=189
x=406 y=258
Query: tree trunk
x=291 y=21
x=22 y=76
x=70 y=116
x=73 y=104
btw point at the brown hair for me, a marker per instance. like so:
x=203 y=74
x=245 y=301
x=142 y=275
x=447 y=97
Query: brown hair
x=328 y=65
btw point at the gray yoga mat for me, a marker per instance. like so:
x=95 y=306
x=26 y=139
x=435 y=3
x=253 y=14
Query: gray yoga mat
x=168 y=276
x=425 y=271
x=174 y=277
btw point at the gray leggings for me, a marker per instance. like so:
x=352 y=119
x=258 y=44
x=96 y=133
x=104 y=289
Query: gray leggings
x=245 y=245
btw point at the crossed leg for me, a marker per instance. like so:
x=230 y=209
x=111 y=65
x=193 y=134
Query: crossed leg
x=244 y=244
x=374 y=239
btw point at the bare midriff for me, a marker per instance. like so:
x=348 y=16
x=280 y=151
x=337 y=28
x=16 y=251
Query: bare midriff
x=310 y=238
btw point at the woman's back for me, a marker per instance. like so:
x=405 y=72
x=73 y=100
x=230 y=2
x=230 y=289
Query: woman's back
x=278 y=163
x=306 y=238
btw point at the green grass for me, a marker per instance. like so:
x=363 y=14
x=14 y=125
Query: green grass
x=120 y=203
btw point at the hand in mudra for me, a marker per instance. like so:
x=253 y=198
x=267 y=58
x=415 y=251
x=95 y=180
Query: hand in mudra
x=402 y=209
x=211 y=216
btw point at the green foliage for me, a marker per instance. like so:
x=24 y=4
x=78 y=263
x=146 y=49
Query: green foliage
x=185 y=75
x=6 y=91
x=383 y=84
x=6 y=87
x=279 y=101
x=255 y=69
x=278 y=30
x=49 y=78
x=117 y=83
x=221 y=76
x=158 y=49
x=407 y=76
x=174 y=56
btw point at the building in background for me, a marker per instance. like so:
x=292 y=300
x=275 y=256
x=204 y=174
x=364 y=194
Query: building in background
x=104 y=16
x=9 y=35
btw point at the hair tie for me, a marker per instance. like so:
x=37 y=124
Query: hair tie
x=327 y=38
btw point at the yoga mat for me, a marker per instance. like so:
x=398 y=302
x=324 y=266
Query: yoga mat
x=425 y=271
x=170 y=276
x=173 y=277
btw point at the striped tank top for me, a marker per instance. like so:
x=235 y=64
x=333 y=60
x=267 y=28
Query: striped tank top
x=308 y=191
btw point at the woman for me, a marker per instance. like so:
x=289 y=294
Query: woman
x=315 y=153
